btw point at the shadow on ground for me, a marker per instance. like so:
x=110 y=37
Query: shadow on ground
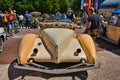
x=102 y=44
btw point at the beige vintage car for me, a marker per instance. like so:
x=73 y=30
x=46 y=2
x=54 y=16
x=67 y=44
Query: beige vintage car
x=55 y=47
x=111 y=31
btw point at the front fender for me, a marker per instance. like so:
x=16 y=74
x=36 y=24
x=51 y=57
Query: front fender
x=25 y=47
x=88 y=46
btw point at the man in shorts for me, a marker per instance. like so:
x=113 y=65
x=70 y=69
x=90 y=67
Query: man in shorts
x=11 y=20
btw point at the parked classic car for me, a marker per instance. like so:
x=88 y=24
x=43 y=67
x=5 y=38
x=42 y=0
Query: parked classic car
x=2 y=38
x=111 y=31
x=55 y=46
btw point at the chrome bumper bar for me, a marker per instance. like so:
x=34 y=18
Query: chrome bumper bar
x=70 y=69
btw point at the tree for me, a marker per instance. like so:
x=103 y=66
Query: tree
x=55 y=6
x=22 y=6
x=44 y=6
x=49 y=6
x=76 y=5
x=5 y=4
x=64 y=5
x=36 y=4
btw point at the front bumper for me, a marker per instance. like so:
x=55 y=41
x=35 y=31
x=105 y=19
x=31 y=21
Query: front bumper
x=40 y=68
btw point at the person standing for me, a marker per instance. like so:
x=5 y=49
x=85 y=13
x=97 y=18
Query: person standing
x=64 y=17
x=5 y=22
x=21 y=21
x=35 y=23
x=1 y=16
x=74 y=18
x=94 y=23
x=84 y=18
x=11 y=21
x=28 y=18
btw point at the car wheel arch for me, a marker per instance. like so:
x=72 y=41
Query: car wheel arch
x=2 y=37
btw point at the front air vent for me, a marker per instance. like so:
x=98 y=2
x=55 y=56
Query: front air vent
x=35 y=51
x=77 y=52
x=39 y=43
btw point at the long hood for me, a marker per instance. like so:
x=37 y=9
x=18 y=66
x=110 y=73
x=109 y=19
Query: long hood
x=58 y=35
x=62 y=45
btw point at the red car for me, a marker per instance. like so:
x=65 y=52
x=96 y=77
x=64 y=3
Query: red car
x=48 y=20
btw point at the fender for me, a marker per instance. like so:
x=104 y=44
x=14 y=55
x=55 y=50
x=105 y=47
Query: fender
x=25 y=47
x=88 y=46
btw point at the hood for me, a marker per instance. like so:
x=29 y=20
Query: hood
x=58 y=35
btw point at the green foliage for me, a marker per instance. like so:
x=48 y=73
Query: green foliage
x=76 y=5
x=55 y=6
x=64 y=5
x=46 y=16
x=5 y=4
x=44 y=6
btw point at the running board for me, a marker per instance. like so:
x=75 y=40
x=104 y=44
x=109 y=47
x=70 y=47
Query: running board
x=109 y=40
x=71 y=69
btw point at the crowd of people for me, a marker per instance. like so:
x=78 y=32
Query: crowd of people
x=12 y=21
x=7 y=20
x=64 y=17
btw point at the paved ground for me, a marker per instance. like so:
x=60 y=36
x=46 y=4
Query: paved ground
x=108 y=56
